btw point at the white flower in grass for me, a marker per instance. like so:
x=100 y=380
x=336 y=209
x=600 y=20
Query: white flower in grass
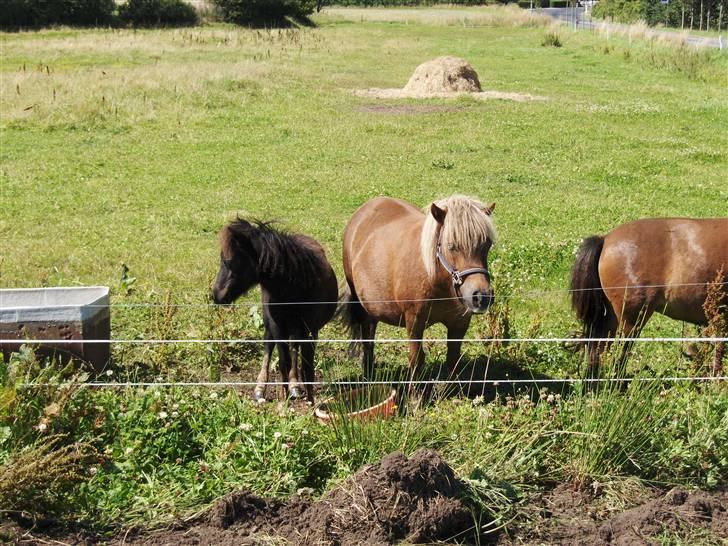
x=478 y=400
x=286 y=446
x=175 y=406
x=42 y=427
x=246 y=427
x=129 y=450
x=92 y=470
x=109 y=373
x=163 y=415
x=213 y=395
x=175 y=414
x=277 y=435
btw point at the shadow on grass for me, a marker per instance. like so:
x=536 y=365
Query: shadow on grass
x=489 y=376
x=486 y=376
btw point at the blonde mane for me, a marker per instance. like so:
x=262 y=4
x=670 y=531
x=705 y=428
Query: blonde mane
x=467 y=225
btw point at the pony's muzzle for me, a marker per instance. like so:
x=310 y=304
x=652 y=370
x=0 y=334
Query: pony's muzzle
x=480 y=301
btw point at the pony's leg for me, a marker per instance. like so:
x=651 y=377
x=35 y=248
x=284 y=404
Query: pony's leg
x=630 y=325
x=284 y=364
x=308 y=351
x=596 y=348
x=415 y=331
x=368 y=331
x=294 y=390
x=260 y=388
x=455 y=333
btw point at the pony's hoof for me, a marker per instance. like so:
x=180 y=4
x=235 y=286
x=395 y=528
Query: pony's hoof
x=295 y=393
x=259 y=397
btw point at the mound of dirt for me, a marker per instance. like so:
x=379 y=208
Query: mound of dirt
x=677 y=511
x=417 y=499
x=570 y=518
x=443 y=77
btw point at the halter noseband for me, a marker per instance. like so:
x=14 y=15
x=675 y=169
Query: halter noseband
x=458 y=277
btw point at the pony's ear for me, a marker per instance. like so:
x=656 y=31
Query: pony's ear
x=242 y=222
x=489 y=210
x=438 y=213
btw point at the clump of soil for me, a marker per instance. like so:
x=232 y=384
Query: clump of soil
x=678 y=511
x=443 y=77
x=417 y=499
x=570 y=518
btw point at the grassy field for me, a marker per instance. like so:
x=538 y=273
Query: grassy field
x=135 y=147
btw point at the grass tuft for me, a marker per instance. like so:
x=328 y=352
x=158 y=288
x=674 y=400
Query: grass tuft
x=38 y=479
x=551 y=39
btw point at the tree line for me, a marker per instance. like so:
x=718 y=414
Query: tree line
x=690 y=14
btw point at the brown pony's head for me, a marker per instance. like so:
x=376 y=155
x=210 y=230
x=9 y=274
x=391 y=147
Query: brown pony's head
x=238 y=262
x=456 y=238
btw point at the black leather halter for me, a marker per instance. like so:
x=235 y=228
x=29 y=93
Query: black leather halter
x=458 y=277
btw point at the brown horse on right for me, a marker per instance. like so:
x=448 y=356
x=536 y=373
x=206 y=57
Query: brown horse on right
x=662 y=265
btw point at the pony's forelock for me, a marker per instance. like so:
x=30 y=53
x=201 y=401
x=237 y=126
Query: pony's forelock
x=227 y=242
x=467 y=224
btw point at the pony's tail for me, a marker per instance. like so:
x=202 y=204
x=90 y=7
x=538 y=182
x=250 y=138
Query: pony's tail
x=352 y=315
x=587 y=297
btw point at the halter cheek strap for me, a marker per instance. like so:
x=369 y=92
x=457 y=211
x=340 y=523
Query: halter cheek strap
x=458 y=277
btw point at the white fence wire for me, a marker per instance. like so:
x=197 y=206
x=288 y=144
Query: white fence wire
x=530 y=294
x=383 y=340
x=494 y=382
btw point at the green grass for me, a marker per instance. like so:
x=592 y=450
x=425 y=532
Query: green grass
x=134 y=148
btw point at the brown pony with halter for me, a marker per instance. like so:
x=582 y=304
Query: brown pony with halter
x=652 y=265
x=408 y=268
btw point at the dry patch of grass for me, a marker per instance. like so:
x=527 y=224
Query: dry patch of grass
x=37 y=477
x=133 y=95
x=480 y=95
x=137 y=76
x=490 y=16
x=642 y=31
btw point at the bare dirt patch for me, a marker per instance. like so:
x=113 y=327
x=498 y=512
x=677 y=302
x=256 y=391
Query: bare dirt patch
x=569 y=517
x=443 y=77
x=419 y=500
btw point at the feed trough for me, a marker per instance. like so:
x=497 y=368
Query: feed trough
x=72 y=314
x=362 y=404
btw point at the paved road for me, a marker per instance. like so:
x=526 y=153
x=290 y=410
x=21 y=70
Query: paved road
x=580 y=19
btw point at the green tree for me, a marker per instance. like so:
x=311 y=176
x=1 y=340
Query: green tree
x=260 y=13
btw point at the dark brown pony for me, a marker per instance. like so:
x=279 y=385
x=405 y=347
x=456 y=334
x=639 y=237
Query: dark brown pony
x=653 y=265
x=413 y=269
x=299 y=293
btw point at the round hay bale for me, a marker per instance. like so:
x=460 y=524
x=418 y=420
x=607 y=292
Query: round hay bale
x=443 y=75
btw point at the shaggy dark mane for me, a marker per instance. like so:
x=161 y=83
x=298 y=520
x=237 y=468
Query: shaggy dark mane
x=290 y=257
